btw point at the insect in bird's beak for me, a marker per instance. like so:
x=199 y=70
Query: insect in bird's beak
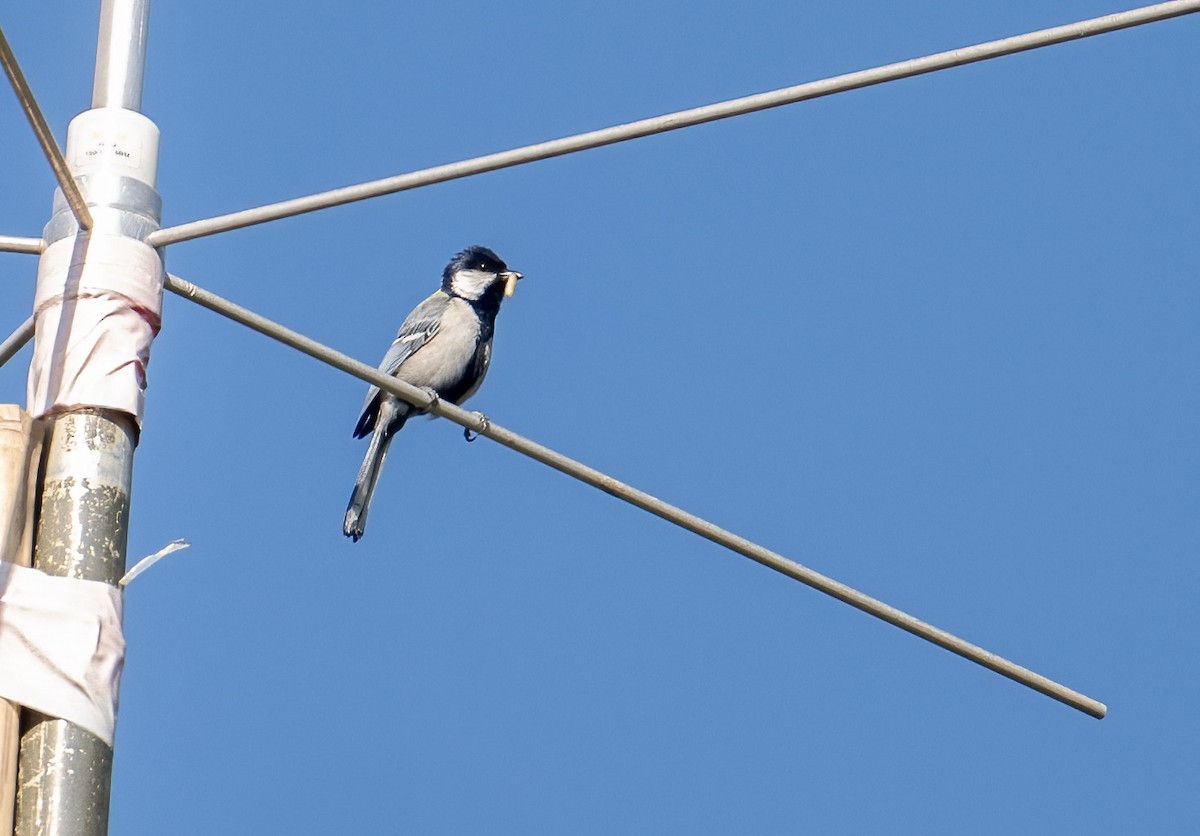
x=510 y=282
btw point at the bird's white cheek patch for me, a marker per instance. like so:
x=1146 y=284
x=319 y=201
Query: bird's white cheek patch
x=470 y=284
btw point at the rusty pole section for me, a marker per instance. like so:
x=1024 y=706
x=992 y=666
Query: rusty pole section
x=65 y=772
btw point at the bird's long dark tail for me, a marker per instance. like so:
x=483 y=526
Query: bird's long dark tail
x=387 y=424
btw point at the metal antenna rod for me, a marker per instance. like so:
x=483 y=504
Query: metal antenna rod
x=674 y=121
x=44 y=137
x=65 y=772
x=622 y=491
x=121 y=55
x=16 y=341
x=13 y=244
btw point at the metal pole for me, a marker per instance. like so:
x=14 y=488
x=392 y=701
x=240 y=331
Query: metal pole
x=675 y=121
x=65 y=772
x=121 y=54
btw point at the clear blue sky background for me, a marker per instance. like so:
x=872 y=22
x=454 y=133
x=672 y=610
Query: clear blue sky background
x=937 y=339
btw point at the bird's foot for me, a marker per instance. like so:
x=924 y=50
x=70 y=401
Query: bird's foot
x=484 y=424
x=434 y=397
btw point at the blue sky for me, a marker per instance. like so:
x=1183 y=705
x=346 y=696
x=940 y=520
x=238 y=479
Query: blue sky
x=936 y=339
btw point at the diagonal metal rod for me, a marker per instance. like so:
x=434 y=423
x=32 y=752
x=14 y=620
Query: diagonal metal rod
x=13 y=244
x=45 y=138
x=16 y=341
x=477 y=423
x=674 y=121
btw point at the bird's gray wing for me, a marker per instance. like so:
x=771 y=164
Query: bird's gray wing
x=417 y=330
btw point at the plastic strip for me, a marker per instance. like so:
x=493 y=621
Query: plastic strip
x=146 y=562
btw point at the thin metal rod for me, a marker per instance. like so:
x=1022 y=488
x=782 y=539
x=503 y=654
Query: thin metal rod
x=673 y=121
x=13 y=244
x=121 y=54
x=45 y=138
x=16 y=341
x=475 y=422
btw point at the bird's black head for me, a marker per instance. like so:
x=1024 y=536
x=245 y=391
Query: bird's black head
x=475 y=258
x=478 y=275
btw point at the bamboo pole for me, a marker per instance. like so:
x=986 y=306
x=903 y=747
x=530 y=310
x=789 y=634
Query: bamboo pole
x=20 y=449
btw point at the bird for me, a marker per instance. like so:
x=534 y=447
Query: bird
x=443 y=346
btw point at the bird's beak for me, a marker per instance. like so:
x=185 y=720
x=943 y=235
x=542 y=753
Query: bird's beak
x=511 y=277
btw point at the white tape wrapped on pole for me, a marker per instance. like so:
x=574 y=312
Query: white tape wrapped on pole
x=62 y=647
x=97 y=309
